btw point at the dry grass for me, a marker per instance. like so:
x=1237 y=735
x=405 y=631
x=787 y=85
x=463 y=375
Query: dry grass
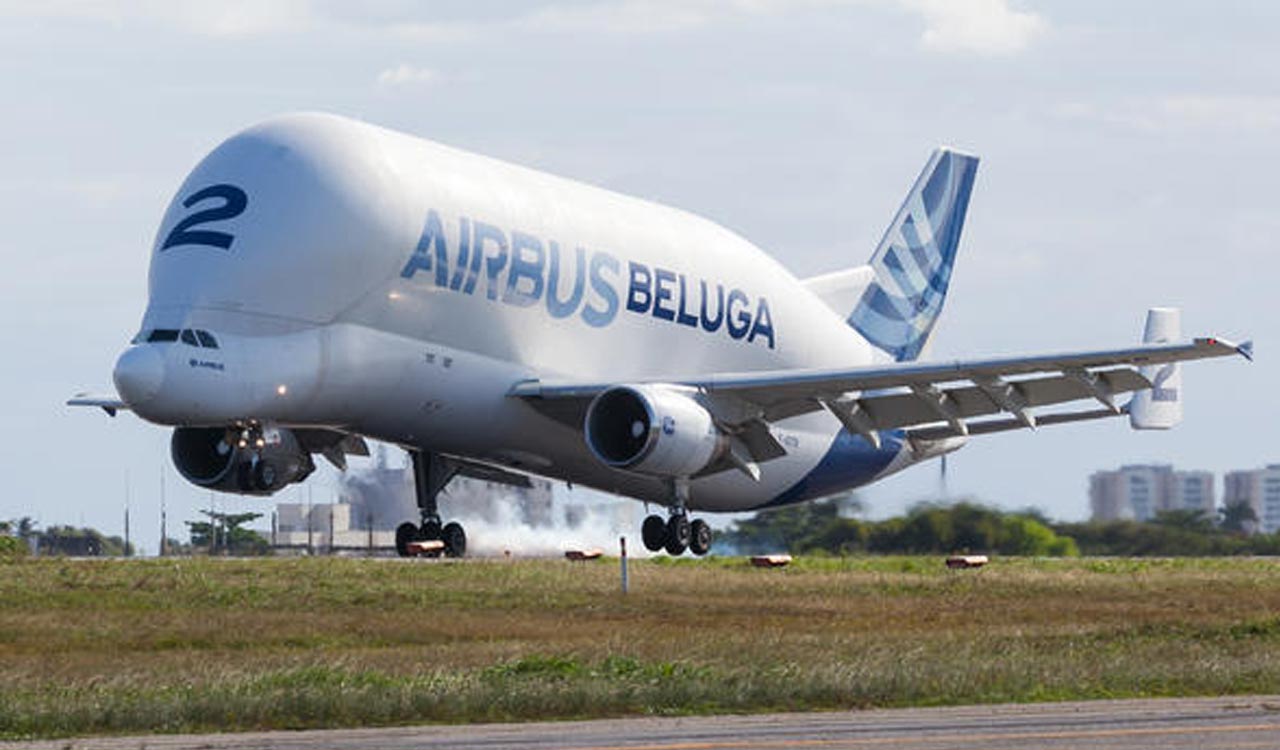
x=169 y=645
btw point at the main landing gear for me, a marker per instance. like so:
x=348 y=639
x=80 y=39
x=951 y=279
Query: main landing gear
x=430 y=475
x=677 y=533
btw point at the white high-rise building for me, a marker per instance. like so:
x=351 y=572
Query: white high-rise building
x=1139 y=491
x=1260 y=489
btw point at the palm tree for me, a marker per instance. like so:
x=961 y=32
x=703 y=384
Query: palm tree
x=1239 y=517
x=1187 y=519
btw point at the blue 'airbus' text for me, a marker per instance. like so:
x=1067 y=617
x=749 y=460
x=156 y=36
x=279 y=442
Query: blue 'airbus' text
x=520 y=269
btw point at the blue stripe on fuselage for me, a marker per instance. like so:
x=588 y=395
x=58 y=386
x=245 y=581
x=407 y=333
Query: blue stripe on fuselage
x=850 y=462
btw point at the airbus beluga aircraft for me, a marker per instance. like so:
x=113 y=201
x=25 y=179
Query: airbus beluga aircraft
x=317 y=280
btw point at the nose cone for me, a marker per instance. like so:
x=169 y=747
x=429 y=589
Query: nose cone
x=139 y=374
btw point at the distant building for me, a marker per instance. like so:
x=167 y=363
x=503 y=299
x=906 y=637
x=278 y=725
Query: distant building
x=1194 y=490
x=324 y=527
x=1260 y=489
x=1139 y=491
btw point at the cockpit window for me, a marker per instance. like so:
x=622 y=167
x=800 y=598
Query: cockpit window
x=162 y=335
x=189 y=337
x=207 y=340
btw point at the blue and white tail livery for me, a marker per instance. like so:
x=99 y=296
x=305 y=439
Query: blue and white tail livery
x=913 y=262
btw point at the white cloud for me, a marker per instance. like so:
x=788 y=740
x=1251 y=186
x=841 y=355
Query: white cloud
x=987 y=27
x=1201 y=113
x=405 y=74
x=625 y=16
x=435 y=32
x=220 y=19
x=984 y=27
x=1251 y=113
x=238 y=17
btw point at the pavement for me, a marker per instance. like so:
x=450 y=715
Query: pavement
x=1167 y=724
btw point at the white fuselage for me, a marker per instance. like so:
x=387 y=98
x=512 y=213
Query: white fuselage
x=369 y=281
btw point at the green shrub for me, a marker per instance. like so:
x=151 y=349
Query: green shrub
x=11 y=548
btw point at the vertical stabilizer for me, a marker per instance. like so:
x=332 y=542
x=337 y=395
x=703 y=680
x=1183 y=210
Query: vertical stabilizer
x=913 y=262
x=1160 y=407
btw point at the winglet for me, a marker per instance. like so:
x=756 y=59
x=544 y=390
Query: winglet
x=1246 y=350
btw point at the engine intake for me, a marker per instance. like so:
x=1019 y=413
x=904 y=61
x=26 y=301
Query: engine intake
x=208 y=457
x=652 y=429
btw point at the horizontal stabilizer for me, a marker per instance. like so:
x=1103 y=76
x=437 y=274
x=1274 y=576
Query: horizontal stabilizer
x=841 y=290
x=109 y=404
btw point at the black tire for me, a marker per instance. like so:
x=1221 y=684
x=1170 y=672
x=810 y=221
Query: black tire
x=654 y=533
x=455 y=540
x=679 y=534
x=700 y=541
x=265 y=476
x=405 y=533
x=430 y=530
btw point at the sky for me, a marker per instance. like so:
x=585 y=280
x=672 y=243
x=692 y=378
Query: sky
x=1128 y=155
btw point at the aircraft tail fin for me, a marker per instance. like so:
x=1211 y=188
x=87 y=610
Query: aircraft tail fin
x=913 y=262
x=1160 y=407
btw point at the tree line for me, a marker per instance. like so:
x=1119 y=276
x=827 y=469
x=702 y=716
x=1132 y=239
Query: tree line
x=222 y=534
x=833 y=526
x=21 y=535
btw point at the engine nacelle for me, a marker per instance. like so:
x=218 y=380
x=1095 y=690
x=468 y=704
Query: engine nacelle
x=652 y=429
x=209 y=457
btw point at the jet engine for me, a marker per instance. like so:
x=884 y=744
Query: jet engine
x=652 y=429
x=214 y=458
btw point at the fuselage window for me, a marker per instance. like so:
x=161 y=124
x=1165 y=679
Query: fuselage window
x=188 y=337
x=207 y=340
x=163 y=335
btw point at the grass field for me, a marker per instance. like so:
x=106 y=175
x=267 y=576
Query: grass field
x=116 y=646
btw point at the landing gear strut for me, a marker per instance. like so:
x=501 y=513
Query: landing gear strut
x=431 y=473
x=677 y=533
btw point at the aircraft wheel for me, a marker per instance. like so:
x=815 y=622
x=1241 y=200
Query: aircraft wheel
x=679 y=534
x=405 y=533
x=654 y=533
x=455 y=540
x=700 y=537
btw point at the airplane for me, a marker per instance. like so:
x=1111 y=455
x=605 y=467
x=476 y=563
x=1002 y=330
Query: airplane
x=318 y=280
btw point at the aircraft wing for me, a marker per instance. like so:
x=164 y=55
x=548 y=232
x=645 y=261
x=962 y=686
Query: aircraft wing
x=912 y=394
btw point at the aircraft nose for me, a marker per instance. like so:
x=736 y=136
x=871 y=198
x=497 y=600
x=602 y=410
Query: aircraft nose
x=139 y=374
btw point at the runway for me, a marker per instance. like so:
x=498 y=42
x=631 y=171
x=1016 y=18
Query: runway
x=1204 y=724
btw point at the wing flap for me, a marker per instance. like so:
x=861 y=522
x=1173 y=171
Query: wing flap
x=989 y=426
x=489 y=473
x=896 y=410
